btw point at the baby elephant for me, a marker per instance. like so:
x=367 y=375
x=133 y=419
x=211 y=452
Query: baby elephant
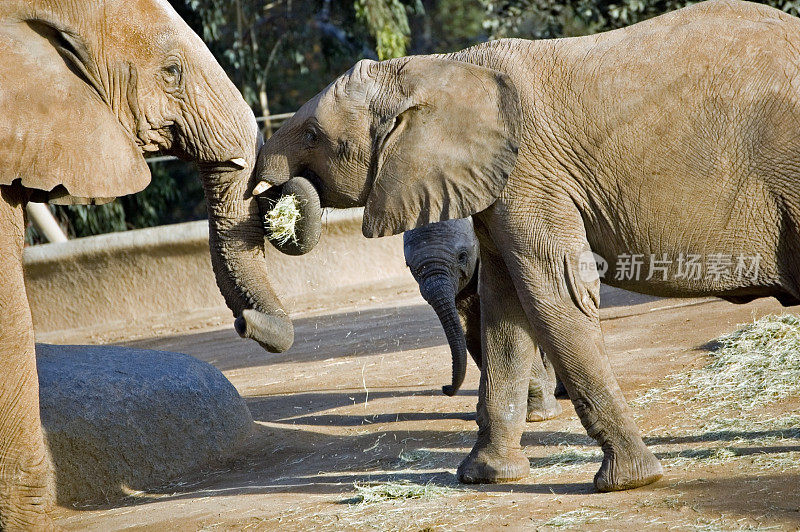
x=443 y=258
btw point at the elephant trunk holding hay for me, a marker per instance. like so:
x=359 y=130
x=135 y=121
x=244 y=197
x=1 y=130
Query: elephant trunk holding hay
x=87 y=88
x=443 y=258
x=672 y=139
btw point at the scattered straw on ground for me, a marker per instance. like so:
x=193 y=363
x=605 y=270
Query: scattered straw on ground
x=754 y=367
x=779 y=427
x=387 y=491
x=575 y=518
x=414 y=455
x=684 y=458
x=779 y=462
x=568 y=457
x=282 y=219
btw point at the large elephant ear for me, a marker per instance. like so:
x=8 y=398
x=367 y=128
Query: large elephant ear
x=452 y=145
x=58 y=133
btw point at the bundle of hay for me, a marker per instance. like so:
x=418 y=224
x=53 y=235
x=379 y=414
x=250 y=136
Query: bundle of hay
x=281 y=221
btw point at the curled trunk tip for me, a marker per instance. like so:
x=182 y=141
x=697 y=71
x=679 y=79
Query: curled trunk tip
x=307 y=226
x=273 y=333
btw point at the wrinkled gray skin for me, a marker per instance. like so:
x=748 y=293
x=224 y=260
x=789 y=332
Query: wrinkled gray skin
x=673 y=137
x=87 y=87
x=443 y=258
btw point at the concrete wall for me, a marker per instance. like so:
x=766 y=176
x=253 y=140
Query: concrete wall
x=166 y=272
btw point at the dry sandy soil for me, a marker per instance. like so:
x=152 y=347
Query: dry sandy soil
x=357 y=400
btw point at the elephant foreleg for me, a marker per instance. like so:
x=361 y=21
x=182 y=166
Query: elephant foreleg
x=25 y=470
x=508 y=353
x=542 y=404
x=564 y=310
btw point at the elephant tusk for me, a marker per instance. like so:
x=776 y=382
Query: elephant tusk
x=261 y=187
x=240 y=162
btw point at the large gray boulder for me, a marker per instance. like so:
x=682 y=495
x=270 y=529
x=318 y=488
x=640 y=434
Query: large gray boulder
x=119 y=419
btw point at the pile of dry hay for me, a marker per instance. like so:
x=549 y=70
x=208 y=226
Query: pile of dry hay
x=757 y=365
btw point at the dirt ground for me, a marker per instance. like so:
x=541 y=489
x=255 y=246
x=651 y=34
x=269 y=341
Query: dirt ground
x=358 y=400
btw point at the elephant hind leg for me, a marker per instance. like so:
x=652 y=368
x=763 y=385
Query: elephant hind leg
x=574 y=342
x=542 y=403
x=26 y=480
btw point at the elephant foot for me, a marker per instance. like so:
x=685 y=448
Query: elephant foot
x=541 y=410
x=27 y=520
x=483 y=466
x=627 y=468
x=25 y=500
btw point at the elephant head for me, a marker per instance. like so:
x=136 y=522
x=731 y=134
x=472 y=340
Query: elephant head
x=87 y=87
x=443 y=258
x=414 y=140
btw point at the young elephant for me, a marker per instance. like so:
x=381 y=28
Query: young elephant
x=673 y=142
x=443 y=258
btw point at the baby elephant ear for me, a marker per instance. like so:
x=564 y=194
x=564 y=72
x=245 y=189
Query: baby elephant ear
x=450 y=148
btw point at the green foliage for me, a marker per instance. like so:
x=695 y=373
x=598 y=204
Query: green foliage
x=85 y=220
x=280 y=53
x=447 y=26
x=175 y=194
x=387 y=22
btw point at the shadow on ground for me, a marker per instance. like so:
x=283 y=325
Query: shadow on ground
x=299 y=408
x=321 y=337
x=285 y=457
x=316 y=338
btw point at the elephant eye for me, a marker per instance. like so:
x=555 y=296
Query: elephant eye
x=462 y=257
x=172 y=74
x=310 y=137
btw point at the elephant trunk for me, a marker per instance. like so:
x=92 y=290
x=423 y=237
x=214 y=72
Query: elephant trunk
x=236 y=239
x=440 y=293
x=220 y=133
x=273 y=169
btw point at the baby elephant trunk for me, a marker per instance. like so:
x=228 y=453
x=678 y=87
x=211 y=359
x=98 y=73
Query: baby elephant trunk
x=440 y=293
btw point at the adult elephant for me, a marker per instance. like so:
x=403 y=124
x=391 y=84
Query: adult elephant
x=86 y=88
x=673 y=141
x=443 y=258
